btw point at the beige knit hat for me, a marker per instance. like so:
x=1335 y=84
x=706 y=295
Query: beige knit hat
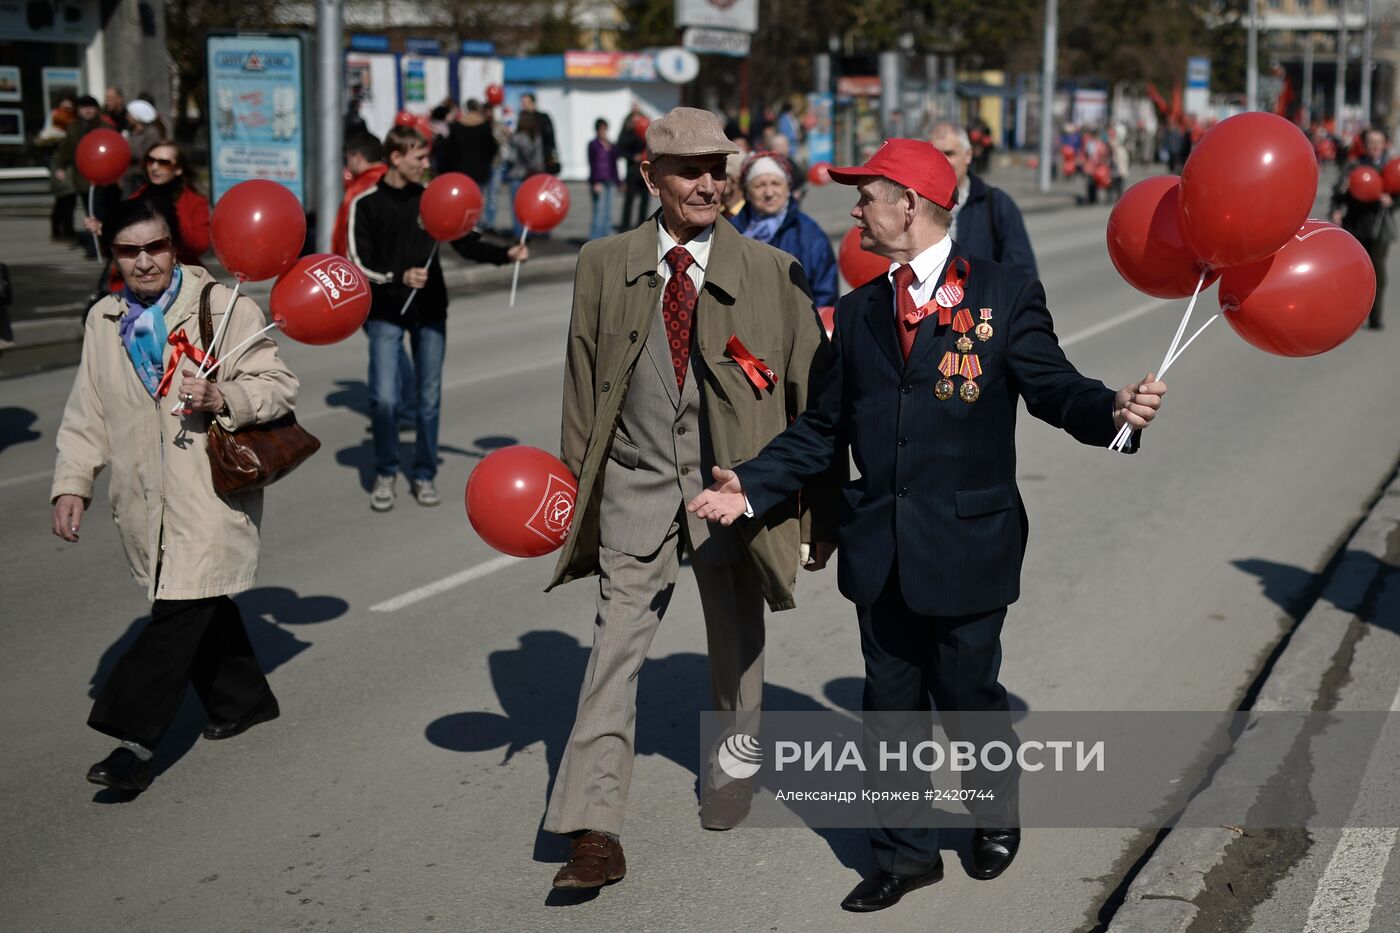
x=687 y=131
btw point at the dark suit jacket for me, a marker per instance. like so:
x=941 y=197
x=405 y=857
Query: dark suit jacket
x=990 y=226
x=937 y=488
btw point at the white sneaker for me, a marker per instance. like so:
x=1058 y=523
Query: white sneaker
x=381 y=499
x=425 y=492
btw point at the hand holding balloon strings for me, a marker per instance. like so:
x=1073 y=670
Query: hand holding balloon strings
x=413 y=292
x=515 y=276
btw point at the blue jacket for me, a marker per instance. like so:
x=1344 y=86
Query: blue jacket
x=990 y=226
x=937 y=487
x=800 y=237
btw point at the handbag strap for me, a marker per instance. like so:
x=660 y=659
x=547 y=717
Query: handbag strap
x=206 y=322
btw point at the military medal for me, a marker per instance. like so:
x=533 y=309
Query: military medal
x=951 y=292
x=964 y=344
x=970 y=369
x=948 y=366
x=984 y=330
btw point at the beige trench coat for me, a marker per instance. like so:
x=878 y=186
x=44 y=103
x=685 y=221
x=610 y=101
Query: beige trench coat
x=752 y=291
x=182 y=539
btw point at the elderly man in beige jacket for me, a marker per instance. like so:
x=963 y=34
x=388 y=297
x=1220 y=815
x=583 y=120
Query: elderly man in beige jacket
x=690 y=346
x=189 y=546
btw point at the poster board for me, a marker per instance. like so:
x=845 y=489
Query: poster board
x=424 y=82
x=373 y=78
x=257 y=111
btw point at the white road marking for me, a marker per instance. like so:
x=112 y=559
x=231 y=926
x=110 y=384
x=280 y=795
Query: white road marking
x=1346 y=894
x=1095 y=329
x=446 y=583
x=26 y=478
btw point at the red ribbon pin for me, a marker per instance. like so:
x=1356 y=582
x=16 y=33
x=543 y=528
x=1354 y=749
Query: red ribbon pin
x=951 y=293
x=183 y=348
x=759 y=374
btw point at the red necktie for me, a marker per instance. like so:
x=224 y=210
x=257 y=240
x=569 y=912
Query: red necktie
x=678 y=309
x=904 y=309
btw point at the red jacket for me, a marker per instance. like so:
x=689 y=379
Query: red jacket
x=340 y=236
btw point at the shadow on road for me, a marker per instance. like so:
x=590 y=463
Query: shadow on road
x=538 y=686
x=1294 y=589
x=361 y=457
x=266 y=612
x=16 y=427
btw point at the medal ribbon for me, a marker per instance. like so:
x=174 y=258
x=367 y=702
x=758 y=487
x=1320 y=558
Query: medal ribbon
x=183 y=348
x=948 y=366
x=760 y=375
x=971 y=366
x=962 y=323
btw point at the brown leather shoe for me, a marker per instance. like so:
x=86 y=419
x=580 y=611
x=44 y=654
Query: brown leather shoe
x=595 y=861
x=726 y=807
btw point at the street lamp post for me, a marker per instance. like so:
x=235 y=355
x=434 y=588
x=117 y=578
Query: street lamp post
x=1366 y=67
x=329 y=51
x=1340 y=95
x=1047 y=91
x=1251 y=70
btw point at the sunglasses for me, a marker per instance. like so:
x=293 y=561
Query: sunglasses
x=131 y=250
x=163 y=163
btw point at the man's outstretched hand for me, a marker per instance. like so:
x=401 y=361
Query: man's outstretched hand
x=724 y=501
x=1137 y=404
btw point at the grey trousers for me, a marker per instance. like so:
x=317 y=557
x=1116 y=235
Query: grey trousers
x=590 y=791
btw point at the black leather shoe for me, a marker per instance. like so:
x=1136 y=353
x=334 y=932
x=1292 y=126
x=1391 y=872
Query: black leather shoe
x=122 y=770
x=884 y=889
x=993 y=851
x=264 y=711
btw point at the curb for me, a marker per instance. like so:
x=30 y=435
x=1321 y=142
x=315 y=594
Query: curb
x=1161 y=899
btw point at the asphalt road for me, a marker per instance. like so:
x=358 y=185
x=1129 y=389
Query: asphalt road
x=402 y=788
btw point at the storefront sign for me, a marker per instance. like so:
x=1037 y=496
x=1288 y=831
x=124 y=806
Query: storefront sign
x=721 y=14
x=716 y=41
x=610 y=66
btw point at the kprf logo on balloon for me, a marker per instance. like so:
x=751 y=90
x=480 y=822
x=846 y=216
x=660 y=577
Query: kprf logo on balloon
x=341 y=281
x=740 y=756
x=551 y=519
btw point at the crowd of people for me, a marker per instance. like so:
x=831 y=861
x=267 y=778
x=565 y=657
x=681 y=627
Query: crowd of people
x=920 y=393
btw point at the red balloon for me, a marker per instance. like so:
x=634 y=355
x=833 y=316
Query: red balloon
x=820 y=173
x=521 y=501
x=495 y=94
x=1307 y=298
x=1365 y=184
x=1102 y=176
x=1391 y=176
x=542 y=203
x=1247 y=186
x=450 y=206
x=103 y=156
x=857 y=265
x=322 y=299
x=1145 y=242
x=258 y=229
x=828 y=316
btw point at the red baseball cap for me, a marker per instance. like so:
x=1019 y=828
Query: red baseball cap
x=912 y=163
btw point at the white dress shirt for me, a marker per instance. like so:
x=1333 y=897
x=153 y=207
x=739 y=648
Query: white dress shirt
x=927 y=266
x=698 y=247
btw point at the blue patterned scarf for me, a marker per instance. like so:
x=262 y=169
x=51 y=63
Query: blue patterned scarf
x=143 y=333
x=763 y=229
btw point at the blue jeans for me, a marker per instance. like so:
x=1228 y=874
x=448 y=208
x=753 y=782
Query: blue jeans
x=602 y=213
x=493 y=190
x=429 y=343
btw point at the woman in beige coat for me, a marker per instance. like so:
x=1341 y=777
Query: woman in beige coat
x=189 y=546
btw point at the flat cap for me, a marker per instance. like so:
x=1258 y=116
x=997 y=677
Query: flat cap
x=688 y=131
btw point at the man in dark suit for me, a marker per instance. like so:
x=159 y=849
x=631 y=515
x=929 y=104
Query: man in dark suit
x=930 y=363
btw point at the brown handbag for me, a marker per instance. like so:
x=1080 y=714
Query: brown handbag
x=259 y=454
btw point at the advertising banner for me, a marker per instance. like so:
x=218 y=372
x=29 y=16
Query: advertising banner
x=257 y=108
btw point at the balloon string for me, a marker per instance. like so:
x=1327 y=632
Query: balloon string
x=515 y=278
x=413 y=292
x=241 y=344
x=92 y=191
x=223 y=325
x=1120 y=440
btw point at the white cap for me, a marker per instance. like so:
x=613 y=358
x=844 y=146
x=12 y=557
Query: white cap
x=141 y=112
